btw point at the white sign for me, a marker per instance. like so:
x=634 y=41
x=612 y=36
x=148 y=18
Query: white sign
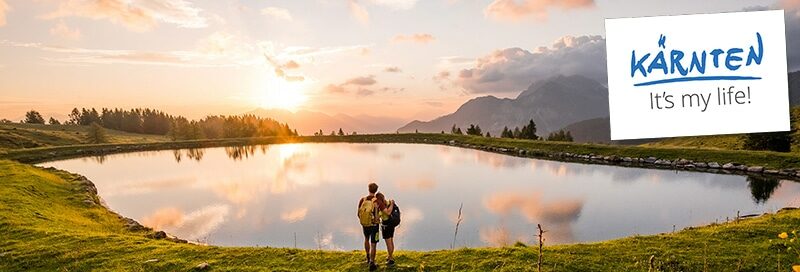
x=697 y=75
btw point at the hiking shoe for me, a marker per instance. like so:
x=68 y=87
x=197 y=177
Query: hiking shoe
x=389 y=262
x=373 y=266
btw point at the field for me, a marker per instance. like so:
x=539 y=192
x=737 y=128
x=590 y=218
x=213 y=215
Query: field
x=50 y=220
x=14 y=135
x=47 y=225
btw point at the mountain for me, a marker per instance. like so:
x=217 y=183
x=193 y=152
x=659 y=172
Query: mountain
x=794 y=88
x=552 y=104
x=307 y=122
x=590 y=131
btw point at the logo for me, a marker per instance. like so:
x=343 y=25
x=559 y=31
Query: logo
x=697 y=75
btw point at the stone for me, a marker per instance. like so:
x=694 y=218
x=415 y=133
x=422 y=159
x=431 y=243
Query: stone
x=132 y=225
x=627 y=159
x=202 y=266
x=714 y=165
x=756 y=169
x=700 y=165
x=770 y=171
x=158 y=235
x=650 y=160
x=151 y=261
x=728 y=166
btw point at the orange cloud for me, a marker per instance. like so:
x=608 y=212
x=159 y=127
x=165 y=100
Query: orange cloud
x=62 y=30
x=361 y=81
x=3 y=9
x=294 y=215
x=417 y=38
x=359 y=12
x=136 y=15
x=164 y=218
x=515 y=10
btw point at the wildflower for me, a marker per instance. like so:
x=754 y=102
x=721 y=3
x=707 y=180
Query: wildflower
x=796 y=268
x=783 y=235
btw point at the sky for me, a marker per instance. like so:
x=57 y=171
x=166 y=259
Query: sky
x=407 y=59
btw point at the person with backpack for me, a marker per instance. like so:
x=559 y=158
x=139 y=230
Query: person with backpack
x=368 y=217
x=389 y=214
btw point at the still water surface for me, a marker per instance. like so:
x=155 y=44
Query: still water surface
x=268 y=195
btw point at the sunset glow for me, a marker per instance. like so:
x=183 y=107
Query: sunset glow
x=281 y=94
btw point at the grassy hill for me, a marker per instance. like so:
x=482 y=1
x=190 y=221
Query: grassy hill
x=726 y=142
x=15 y=135
x=50 y=221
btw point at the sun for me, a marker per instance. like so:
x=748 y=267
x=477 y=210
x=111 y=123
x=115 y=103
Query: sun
x=283 y=94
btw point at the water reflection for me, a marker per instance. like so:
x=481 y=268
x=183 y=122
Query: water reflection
x=268 y=195
x=762 y=187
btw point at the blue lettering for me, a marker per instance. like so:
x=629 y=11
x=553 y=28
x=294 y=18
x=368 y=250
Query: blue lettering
x=638 y=65
x=658 y=63
x=715 y=53
x=752 y=55
x=676 y=63
x=732 y=57
x=699 y=65
x=675 y=60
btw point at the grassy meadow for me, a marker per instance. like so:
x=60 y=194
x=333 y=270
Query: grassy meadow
x=48 y=224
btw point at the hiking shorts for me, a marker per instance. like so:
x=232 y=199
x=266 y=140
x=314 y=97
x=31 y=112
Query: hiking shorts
x=387 y=231
x=371 y=233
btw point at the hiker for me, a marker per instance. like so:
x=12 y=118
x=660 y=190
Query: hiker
x=368 y=217
x=390 y=219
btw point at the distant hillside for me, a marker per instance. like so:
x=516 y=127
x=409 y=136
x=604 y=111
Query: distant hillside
x=794 y=88
x=17 y=135
x=590 y=131
x=308 y=122
x=552 y=104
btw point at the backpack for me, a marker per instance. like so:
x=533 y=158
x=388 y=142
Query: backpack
x=394 y=218
x=366 y=213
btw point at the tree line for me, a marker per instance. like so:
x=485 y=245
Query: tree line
x=155 y=122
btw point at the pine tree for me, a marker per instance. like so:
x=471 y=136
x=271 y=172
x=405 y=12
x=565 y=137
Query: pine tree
x=97 y=134
x=33 y=117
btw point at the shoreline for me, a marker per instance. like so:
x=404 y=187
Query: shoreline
x=614 y=155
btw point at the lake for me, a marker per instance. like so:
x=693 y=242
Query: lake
x=305 y=195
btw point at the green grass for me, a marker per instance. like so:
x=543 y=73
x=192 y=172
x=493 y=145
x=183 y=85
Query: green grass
x=15 y=135
x=727 y=142
x=46 y=226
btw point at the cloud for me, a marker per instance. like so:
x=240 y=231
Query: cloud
x=332 y=88
x=514 y=10
x=137 y=15
x=62 y=30
x=277 y=13
x=359 y=12
x=295 y=215
x=396 y=4
x=393 y=69
x=792 y=22
x=557 y=215
x=417 y=38
x=361 y=81
x=164 y=218
x=281 y=67
x=364 y=92
x=4 y=8
x=360 y=86
x=792 y=13
x=514 y=69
